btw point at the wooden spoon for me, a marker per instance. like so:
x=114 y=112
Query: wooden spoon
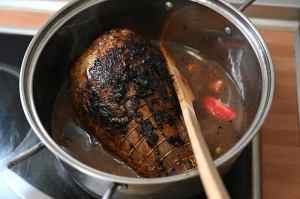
x=210 y=177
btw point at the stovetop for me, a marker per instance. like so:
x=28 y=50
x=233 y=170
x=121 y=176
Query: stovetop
x=43 y=171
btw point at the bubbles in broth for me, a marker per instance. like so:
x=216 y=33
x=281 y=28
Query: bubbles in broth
x=205 y=77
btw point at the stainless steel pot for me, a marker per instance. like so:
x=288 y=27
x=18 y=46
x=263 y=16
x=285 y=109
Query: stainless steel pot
x=218 y=30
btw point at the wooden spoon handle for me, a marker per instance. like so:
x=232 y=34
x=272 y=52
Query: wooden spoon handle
x=211 y=179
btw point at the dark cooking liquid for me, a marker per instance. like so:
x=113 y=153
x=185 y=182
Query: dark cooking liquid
x=200 y=73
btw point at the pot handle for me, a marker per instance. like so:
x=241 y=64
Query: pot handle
x=245 y=5
x=110 y=191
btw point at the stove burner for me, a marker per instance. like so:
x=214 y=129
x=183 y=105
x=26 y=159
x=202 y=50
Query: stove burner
x=13 y=124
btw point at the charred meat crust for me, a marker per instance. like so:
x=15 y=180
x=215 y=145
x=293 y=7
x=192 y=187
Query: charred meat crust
x=122 y=94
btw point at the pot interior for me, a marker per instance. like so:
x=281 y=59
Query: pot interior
x=189 y=24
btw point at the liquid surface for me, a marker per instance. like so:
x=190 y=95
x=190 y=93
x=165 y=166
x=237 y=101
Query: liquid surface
x=201 y=75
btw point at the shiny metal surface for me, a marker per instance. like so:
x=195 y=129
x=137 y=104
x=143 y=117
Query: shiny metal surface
x=256 y=170
x=23 y=179
x=244 y=5
x=45 y=172
x=110 y=191
x=25 y=154
x=20 y=186
x=280 y=3
x=18 y=31
x=270 y=14
x=33 y=5
x=43 y=176
x=13 y=124
x=297 y=58
x=73 y=28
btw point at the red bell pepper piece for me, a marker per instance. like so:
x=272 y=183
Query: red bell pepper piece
x=190 y=67
x=218 y=109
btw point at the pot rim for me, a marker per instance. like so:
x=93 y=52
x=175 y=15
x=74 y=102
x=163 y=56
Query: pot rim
x=69 y=11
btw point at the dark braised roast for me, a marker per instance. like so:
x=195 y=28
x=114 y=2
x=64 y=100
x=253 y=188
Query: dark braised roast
x=123 y=95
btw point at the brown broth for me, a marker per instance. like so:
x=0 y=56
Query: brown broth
x=220 y=136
